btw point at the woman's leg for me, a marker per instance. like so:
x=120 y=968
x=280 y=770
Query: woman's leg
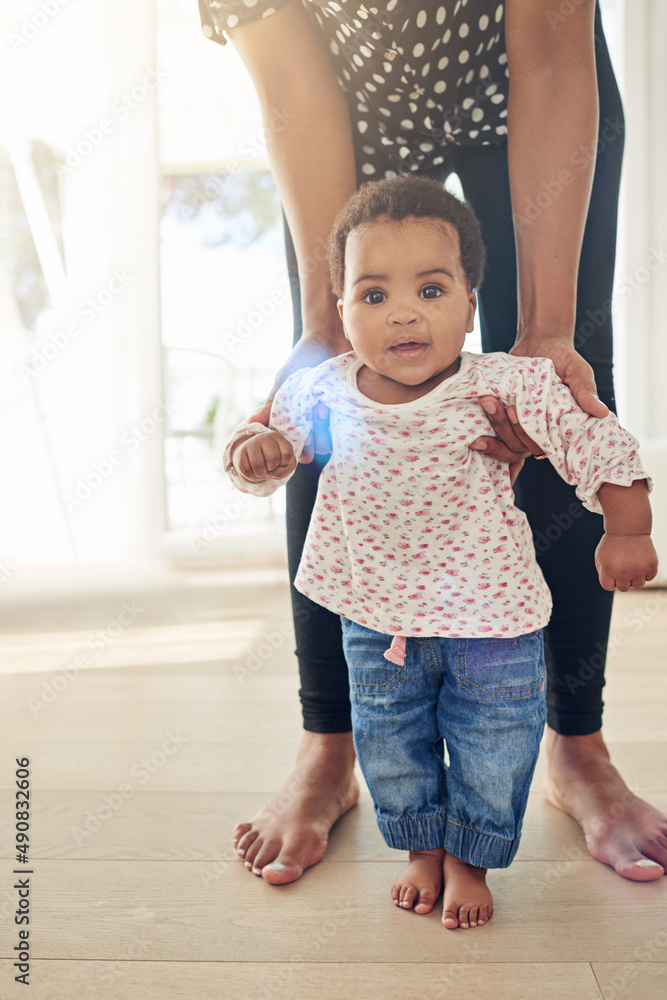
x=290 y=834
x=580 y=779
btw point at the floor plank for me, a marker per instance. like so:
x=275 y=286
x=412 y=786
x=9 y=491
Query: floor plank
x=149 y=980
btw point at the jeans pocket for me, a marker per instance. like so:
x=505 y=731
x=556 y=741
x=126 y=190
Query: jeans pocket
x=502 y=669
x=369 y=673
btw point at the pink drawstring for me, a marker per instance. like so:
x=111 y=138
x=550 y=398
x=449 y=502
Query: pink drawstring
x=396 y=652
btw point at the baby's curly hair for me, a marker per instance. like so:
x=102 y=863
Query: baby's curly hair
x=400 y=197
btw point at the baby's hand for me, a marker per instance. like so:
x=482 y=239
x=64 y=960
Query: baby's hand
x=625 y=561
x=264 y=456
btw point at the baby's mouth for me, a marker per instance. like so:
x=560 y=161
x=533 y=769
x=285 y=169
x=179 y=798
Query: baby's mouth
x=409 y=349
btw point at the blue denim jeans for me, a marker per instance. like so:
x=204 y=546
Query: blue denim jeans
x=483 y=697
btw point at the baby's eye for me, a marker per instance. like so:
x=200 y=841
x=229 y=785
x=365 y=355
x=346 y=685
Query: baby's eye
x=373 y=302
x=436 y=289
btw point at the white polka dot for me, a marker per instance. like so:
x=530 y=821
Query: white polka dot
x=498 y=98
x=479 y=49
x=491 y=90
x=250 y=3
x=334 y=48
x=386 y=67
x=232 y=21
x=390 y=173
x=386 y=142
x=474 y=133
x=469 y=75
x=501 y=129
x=447 y=35
x=346 y=74
x=368 y=168
x=467 y=103
x=502 y=58
x=340 y=37
x=404 y=151
x=357 y=60
x=414 y=166
x=499 y=13
x=426 y=147
x=438 y=159
x=464 y=55
x=365 y=51
x=391 y=4
x=444 y=62
x=346 y=30
x=380 y=79
x=426 y=69
x=483 y=22
x=435 y=44
x=484 y=71
x=477 y=115
x=421 y=18
x=439 y=86
x=463 y=31
x=368 y=149
x=362 y=126
x=385 y=111
x=418 y=50
x=393 y=98
x=270 y=10
x=440 y=15
x=503 y=113
x=406 y=123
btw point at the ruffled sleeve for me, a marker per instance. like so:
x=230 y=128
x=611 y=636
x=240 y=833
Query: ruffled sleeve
x=587 y=451
x=216 y=15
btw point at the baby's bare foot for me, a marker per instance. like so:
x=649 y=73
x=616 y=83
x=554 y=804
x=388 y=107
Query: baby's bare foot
x=420 y=882
x=468 y=901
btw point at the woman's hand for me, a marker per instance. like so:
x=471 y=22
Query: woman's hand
x=570 y=367
x=512 y=443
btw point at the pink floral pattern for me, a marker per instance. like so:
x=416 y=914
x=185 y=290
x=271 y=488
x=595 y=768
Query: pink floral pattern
x=412 y=532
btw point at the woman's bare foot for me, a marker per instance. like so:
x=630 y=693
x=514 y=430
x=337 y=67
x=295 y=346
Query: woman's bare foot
x=468 y=901
x=420 y=882
x=291 y=833
x=621 y=830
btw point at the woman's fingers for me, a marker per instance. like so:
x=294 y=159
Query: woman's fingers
x=512 y=445
x=503 y=426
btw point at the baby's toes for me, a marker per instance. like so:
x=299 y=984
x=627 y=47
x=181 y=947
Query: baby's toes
x=450 y=917
x=483 y=915
x=408 y=895
x=472 y=916
x=464 y=912
x=426 y=901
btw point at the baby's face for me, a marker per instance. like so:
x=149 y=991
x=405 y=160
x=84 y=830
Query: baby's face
x=406 y=306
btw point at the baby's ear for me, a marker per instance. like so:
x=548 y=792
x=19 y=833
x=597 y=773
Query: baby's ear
x=472 y=308
x=339 y=305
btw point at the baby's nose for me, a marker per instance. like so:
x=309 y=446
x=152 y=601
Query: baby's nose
x=404 y=313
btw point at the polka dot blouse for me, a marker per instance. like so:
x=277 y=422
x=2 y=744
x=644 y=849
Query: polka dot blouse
x=417 y=74
x=413 y=533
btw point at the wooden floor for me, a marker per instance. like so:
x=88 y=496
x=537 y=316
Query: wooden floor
x=183 y=720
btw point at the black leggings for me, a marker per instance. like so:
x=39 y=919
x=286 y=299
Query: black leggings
x=565 y=534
